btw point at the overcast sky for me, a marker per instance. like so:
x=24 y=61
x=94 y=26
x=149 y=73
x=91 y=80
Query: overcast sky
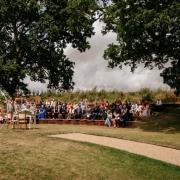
x=91 y=69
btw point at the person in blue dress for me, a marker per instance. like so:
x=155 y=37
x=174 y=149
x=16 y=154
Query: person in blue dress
x=41 y=114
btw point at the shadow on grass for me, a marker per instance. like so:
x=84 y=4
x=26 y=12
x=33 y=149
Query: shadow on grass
x=167 y=121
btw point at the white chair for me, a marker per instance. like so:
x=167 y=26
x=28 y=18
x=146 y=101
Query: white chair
x=11 y=119
x=22 y=119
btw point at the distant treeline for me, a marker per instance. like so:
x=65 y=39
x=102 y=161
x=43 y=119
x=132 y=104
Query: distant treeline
x=95 y=95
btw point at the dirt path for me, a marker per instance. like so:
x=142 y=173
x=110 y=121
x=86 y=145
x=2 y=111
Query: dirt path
x=156 y=152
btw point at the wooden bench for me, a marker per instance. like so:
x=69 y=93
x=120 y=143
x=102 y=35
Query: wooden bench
x=81 y=122
x=71 y=121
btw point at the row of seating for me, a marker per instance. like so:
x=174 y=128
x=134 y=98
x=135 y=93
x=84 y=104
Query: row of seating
x=79 y=122
x=18 y=120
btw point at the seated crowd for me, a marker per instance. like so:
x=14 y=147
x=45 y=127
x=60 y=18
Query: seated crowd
x=116 y=114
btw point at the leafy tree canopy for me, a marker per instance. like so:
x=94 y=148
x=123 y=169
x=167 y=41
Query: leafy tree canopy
x=148 y=32
x=33 y=36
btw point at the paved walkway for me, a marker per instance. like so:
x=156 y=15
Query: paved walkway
x=156 y=152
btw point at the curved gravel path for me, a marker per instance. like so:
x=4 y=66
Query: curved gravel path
x=156 y=152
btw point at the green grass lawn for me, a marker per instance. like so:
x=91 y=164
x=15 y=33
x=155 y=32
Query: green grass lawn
x=31 y=154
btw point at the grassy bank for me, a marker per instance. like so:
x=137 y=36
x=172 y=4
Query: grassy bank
x=95 y=95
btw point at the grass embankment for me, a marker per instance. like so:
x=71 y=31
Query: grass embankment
x=94 y=96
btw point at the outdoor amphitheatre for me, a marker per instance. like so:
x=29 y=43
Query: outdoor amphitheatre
x=72 y=125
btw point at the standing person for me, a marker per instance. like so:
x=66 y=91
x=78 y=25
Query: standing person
x=1 y=116
x=33 y=111
x=108 y=120
x=10 y=108
x=17 y=107
x=41 y=114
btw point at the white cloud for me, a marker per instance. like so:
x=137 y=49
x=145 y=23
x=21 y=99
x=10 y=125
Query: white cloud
x=91 y=69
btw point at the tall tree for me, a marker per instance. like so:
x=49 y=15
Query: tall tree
x=148 y=32
x=33 y=36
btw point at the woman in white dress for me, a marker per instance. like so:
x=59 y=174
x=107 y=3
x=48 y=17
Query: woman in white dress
x=108 y=120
